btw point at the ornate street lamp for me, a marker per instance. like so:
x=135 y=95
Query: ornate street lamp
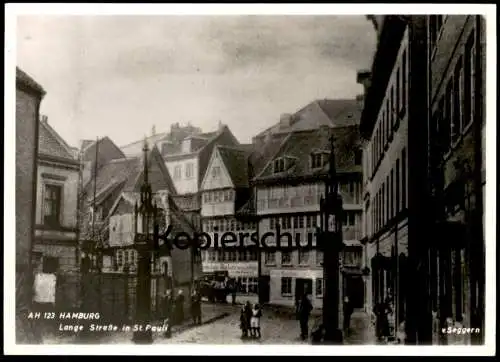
x=331 y=244
x=145 y=219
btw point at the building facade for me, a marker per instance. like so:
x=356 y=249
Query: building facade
x=29 y=95
x=55 y=250
x=288 y=190
x=457 y=66
x=225 y=189
x=423 y=158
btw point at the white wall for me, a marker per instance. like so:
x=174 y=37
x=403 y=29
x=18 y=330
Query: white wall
x=184 y=185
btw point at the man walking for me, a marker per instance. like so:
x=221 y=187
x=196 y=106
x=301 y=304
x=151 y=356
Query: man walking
x=347 y=311
x=179 y=307
x=305 y=308
x=167 y=307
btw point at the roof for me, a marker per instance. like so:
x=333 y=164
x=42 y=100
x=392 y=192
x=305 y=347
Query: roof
x=236 y=162
x=22 y=78
x=135 y=148
x=265 y=151
x=115 y=171
x=299 y=146
x=324 y=112
x=51 y=144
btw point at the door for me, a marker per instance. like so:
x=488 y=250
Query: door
x=263 y=289
x=302 y=286
x=355 y=289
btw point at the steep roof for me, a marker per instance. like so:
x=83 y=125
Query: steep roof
x=236 y=162
x=23 y=79
x=51 y=144
x=299 y=146
x=324 y=112
x=266 y=151
x=135 y=148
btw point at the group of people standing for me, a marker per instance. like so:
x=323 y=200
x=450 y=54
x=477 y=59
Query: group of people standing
x=250 y=321
x=173 y=309
x=382 y=311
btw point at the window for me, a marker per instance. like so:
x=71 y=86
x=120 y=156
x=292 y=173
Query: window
x=391 y=195
x=358 y=157
x=253 y=255
x=286 y=222
x=52 y=205
x=316 y=160
x=449 y=111
x=177 y=172
x=270 y=258
x=279 y=165
x=457 y=102
x=444 y=130
x=216 y=172
x=352 y=256
x=383 y=205
x=319 y=257
x=392 y=115
x=303 y=257
x=469 y=62
x=212 y=255
x=319 y=287
x=253 y=285
x=298 y=222
x=50 y=264
x=404 y=85
x=398 y=92
x=189 y=170
x=403 y=178
x=286 y=286
x=272 y=223
x=397 y=186
x=286 y=258
x=388 y=191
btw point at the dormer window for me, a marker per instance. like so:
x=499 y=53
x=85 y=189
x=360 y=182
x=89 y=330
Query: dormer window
x=216 y=172
x=318 y=159
x=279 y=165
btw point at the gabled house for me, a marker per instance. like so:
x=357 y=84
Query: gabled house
x=110 y=221
x=288 y=188
x=224 y=190
x=55 y=250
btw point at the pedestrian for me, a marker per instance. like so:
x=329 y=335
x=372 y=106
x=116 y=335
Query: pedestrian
x=347 y=311
x=382 y=324
x=244 y=322
x=179 y=307
x=305 y=308
x=167 y=306
x=255 y=321
x=234 y=286
x=196 y=306
x=248 y=315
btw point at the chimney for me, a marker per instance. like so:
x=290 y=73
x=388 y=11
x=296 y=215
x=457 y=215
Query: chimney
x=44 y=119
x=285 y=120
x=220 y=126
x=153 y=130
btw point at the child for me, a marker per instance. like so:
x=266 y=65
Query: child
x=255 y=321
x=244 y=322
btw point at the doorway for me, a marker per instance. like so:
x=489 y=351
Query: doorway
x=302 y=286
x=355 y=289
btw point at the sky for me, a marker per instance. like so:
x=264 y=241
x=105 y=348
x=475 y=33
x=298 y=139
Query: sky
x=118 y=76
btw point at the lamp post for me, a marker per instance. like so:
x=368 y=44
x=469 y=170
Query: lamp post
x=144 y=227
x=331 y=244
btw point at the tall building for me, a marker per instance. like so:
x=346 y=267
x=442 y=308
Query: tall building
x=288 y=189
x=456 y=52
x=423 y=125
x=29 y=95
x=55 y=249
x=225 y=190
x=393 y=126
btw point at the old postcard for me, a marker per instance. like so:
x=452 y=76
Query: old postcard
x=250 y=179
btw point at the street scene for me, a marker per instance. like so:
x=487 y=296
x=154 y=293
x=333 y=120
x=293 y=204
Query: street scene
x=309 y=180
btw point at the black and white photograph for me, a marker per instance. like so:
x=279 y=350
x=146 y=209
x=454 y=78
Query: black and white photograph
x=250 y=179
